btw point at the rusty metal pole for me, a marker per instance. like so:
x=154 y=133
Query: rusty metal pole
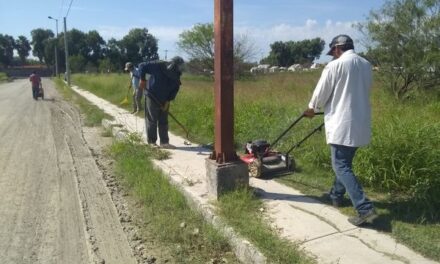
x=224 y=82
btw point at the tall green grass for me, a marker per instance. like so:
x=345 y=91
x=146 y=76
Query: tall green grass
x=3 y=77
x=399 y=168
x=402 y=158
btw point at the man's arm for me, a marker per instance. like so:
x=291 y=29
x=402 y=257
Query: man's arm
x=321 y=94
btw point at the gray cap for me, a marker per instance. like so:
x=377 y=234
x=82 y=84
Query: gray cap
x=339 y=40
x=128 y=66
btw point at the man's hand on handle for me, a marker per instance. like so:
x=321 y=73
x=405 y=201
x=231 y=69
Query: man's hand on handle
x=166 y=106
x=310 y=113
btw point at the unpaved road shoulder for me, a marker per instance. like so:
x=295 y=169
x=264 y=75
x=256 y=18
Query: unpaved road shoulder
x=54 y=206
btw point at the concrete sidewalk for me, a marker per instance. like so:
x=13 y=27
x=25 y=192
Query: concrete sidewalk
x=320 y=229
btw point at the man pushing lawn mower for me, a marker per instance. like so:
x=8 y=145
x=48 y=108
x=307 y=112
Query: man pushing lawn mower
x=343 y=91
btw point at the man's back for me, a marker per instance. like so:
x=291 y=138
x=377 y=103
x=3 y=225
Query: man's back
x=35 y=80
x=348 y=113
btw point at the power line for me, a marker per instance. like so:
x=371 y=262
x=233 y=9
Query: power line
x=68 y=10
x=61 y=8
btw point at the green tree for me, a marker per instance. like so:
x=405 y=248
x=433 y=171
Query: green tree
x=139 y=45
x=77 y=63
x=198 y=44
x=294 y=52
x=95 y=45
x=39 y=36
x=7 y=45
x=112 y=52
x=106 y=65
x=23 y=48
x=403 y=39
x=76 y=41
x=49 y=51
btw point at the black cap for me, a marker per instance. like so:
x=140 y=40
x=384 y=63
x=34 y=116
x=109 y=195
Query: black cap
x=339 y=40
x=177 y=60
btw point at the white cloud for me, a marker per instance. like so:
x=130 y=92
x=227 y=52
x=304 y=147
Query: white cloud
x=261 y=36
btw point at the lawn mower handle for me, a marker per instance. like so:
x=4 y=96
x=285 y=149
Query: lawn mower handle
x=290 y=127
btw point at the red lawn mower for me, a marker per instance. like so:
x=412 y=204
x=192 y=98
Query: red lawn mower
x=262 y=159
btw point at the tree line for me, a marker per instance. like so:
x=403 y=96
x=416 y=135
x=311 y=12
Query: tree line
x=87 y=51
x=402 y=41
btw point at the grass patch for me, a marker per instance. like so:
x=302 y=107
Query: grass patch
x=241 y=209
x=3 y=77
x=165 y=208
x=92 y=114
x=399 y=168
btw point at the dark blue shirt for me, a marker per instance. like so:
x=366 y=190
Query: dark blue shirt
x=163 y=84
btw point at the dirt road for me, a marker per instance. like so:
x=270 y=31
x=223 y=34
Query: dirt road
x=54 y=206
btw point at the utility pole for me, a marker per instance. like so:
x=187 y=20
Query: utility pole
x=56 y=48
x=67 y=53
x=166 y=52
x=224 y=82
x=224 y=170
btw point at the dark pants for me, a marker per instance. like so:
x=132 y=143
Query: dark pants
x=35 y=91
x=155 y=119
x=137 y=99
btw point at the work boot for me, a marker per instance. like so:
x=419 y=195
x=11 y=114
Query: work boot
x=361 y=219
x=338 y=202
x=167 y=146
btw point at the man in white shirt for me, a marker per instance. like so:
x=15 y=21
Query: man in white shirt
x=343 y=91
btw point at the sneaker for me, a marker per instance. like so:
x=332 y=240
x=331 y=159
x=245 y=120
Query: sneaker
x=167 y=146
x=334 y=202
x=364 y=218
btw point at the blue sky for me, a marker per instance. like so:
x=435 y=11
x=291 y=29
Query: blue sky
x=262 y=21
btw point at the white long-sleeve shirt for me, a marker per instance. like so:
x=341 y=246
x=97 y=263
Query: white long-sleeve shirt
x=344 y=90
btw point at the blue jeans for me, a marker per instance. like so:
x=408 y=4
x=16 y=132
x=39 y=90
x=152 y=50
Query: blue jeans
x=346 y=181
x=155 y=119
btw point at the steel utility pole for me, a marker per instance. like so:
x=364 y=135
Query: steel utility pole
x=67 y=53
x=56 y=48
x=224 y=170
x=224 y=82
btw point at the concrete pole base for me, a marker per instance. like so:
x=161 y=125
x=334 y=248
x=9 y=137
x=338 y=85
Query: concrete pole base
x=225 y=177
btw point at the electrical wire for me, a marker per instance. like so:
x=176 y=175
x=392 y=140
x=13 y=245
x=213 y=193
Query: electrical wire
x=68 y=10
x=61 y=8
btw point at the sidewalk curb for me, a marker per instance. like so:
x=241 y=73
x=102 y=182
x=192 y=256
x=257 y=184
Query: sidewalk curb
x=245 y=251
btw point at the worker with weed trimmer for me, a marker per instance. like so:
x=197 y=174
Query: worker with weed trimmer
x=137 y=90
x=163 y=85
x=343 y=91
